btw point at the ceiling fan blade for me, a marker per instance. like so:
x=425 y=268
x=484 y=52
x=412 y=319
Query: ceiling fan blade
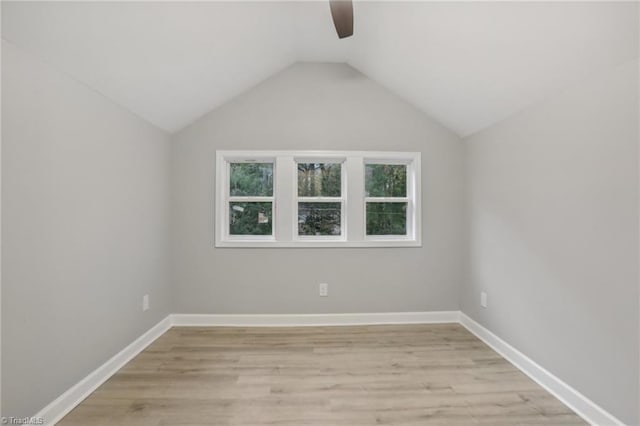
x=342 y=14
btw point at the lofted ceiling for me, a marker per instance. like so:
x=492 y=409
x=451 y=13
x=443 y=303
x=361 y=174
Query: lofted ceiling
x=467 y=64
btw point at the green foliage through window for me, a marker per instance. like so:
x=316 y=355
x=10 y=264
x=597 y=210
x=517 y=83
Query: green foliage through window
x=319 y=218
x=385 y=180
x=250 y=218
x=319 y=179
x=386 y=218
x=251 y=180
x=320 y=198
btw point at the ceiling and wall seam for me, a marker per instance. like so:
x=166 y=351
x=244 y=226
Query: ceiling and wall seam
x=563 y=89
x=82 y=83
x=467 y=65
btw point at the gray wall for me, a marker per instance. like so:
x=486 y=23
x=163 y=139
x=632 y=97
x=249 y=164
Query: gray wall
x=84 y=231
x=90 y=194
x=554 y=236
x=321 y=107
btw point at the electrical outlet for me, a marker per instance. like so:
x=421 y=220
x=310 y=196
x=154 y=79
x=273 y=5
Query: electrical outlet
x=145 y=302
x=483 y=299
x=323 y=289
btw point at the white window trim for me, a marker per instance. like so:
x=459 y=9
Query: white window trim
x=228 y=198
x=412 y=198
x=285 y=199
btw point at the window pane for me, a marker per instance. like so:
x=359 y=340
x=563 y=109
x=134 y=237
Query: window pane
x=319 y=179
x=251 y=179
x=385 y=180
x=319 y=218
x=386 y=218
x=250 y=218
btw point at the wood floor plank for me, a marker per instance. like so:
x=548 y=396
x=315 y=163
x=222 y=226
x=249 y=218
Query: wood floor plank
x=399 y=375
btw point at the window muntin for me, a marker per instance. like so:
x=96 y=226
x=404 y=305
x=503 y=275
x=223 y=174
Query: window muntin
x=317 y=199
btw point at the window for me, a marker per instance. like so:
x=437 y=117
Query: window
x=386 y=199
x=317 y=199
x=320 y=199
x=250 y=201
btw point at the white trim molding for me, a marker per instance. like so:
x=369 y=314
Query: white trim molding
x=303 y=320
x=583 y=406
x=285 y=201
x=61 y=406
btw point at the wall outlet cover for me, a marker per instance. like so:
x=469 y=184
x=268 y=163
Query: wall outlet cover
x=323 y=289
x=145 y=302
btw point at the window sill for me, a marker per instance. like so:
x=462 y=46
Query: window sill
x=317 y=244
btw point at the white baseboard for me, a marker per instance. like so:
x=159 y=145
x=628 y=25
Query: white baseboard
x=66 y=402
x=301 y=320
x=583 y=406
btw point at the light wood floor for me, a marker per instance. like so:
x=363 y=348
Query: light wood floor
x=325 y=376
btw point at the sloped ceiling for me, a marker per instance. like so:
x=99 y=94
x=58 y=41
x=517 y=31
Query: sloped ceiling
x=468 y=65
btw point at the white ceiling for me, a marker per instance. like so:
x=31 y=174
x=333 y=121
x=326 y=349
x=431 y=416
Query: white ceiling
x=467 y=65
